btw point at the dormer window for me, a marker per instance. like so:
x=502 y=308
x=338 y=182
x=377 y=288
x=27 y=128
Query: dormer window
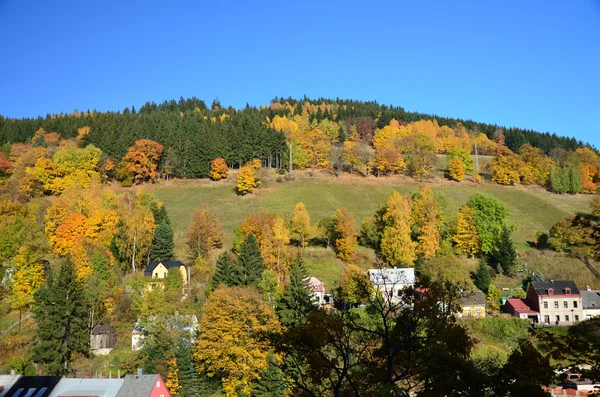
x=550 y=291
x=568 y=291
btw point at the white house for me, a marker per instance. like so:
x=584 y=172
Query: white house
x=317 y=289
x=591 y=303
x=185 y=323
x=391 y=281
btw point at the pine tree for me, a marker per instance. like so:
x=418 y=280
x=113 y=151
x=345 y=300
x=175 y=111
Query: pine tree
x=296 y=301
x=188 y=377
x=271 y=383
x=224 y=273
x=482 y=276
x=162 y=242
x=505 y=255
x=249 y=264
x=61 y=315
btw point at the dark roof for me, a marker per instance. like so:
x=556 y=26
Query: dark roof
x=137 y=385
x=42 y=385
x=541 y=287
x=475 y=298
x=103 y=329
x=168 y=264
x=591 y=299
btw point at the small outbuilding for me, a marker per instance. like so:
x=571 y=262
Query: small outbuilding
x=103 y=339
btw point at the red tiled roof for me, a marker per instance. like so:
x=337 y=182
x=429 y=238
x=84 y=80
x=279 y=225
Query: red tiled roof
x=519 y=305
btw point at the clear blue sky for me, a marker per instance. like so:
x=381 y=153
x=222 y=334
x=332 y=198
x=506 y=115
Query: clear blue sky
x=533 y=64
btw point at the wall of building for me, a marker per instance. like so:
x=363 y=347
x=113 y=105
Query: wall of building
x=159 y=389
x=569 y=310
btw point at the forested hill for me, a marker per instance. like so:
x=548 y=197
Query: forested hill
x=196 y=134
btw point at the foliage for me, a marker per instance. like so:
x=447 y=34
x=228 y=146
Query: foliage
x=62 y=322
x=504 y=255
x=456 y=169
x=296 y=301
x=344 y=235
x=490 y=218
x=595 y=205
x=393 y=225
x=162 y=243
x=249 y=263
x=493 y=298
x=203 y=234
x=142 y=160
x=505 y=167
x=355 y=285
x=225 y=271
x=271 y=382
x=463 y=155
x=230 y=344
x=246 y=180
x=482 y=276
x=218 y=169
x=301 y=223
x=447 y=268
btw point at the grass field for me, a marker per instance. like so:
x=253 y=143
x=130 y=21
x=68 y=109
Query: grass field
x=531 y=209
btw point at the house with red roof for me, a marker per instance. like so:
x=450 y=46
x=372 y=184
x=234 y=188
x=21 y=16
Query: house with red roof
x=317 y=289
x=558 y=302
x=518 y=307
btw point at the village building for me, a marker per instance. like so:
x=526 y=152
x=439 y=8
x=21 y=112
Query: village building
x=87 y=387
x=103 y=339
x=160 y=269
x=518 y=307
x=143 y=386
x=591 y=303
x=34 y=386
x=472 y=304
x=317 y=290
x=557 y=302
x=6 y=382
x=392 y=281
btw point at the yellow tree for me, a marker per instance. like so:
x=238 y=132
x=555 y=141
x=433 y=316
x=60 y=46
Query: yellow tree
x=456 y=169
x=28 y=277
x=429 y=239
x=281 y=238
x=505 y=167
x=466 y=236
x=172 y=381
x=355 y=284
x=246 y=181
x=231 y=344
x=203 y=234
x=393 y=222
x=218 y=169
x=345 y=237
x=301 y=223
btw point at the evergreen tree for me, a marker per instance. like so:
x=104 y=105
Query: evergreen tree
x=61 y=315
x=505 y=255
x=575 y=182
x=482 y=276
x=296 y=301
x=162 y=242
x=224 y=273
x=249 y=264
x=188 y=376
x=271 y=383
x=158 y=349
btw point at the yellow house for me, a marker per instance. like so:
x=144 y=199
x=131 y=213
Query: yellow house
x=160 y=269
x=472 y=304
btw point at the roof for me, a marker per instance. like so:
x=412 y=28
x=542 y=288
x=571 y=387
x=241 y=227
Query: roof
x=475 y=298
x=137 y=385
x=42 y=386
x=591 y=299
x=181 y=322
x=542 y=287
x=392 y=276
x=316 y=285
x=6 y=382
x=103 y=329
x=168 y=264
x=519 y=305
x=87 y=387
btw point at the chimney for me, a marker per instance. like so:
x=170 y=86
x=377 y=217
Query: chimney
x=140 y=371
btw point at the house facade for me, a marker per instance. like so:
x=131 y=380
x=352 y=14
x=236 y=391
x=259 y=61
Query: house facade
x=391 y=281
x=188 y=324
x=472 y=304
x=591 y=303
x=319 y=296
x=557 y=302
x=103 y=339
x=160 y=269
x=143 y=386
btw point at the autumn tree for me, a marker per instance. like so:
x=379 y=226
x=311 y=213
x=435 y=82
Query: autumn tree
x=5 y=165
x=301 y=223
x=355 y=285
x=296 y=301
x=142 y=160
x=344 y=235
x=246 y=180
x=490 y=217
x=218 y=169
x=464 y=156
x=595 y=205
x=393 y=225
x=62 y=322
x=456 y=169
x=28 y=277
x=172 y=381
x=231 y=345
x=203 y=234
x=506 y=167
x=281 y=238
x=466 y=236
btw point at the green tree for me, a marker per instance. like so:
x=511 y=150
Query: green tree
x=482 y=276
x=504 y=255
x=224 y=273
x=490 y=218
x=158 y=348
x=249 y=264
x=271 y=383
x=61 y=315
x=162 y=242
x=296 y=301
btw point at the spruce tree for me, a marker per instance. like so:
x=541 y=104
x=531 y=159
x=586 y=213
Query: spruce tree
x=505 y=255
x=224 y=273
x=162 y=242
x=296 y=301
x=271 y=383
x=188 y=376
x=249 y=264
x=61 y=314
x=483 y=276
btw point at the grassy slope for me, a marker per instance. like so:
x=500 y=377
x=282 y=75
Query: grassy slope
x=531 y=209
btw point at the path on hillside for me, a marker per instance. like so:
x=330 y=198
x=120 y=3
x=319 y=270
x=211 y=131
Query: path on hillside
x=15 y=324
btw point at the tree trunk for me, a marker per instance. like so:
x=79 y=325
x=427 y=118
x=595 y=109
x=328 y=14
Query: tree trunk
x=133 y=256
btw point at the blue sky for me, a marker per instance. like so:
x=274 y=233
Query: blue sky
x=533 y=64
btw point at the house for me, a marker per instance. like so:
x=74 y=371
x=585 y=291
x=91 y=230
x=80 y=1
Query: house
x=472 y=304
x=184 y=323
x=33 y=386
x=103 y=339
x=160 y=269
x=87 y=387
x=518 y=307
x=591 y=303
x=143 y=386
x=558 y=302
x=317 y=289
x=6 y=382
x=391 y=281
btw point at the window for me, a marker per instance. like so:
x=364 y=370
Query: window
x=545 y=305
x=556 y=304
x=575 y=304
x=157 y=384
x=566 y=318
x=399 y=292
x=468 y=312
x=478 y=313
x=566 y=304
x=546 y=319
x=550 y=291
x=568 y=291
x=156 y=274
x=576 y=317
